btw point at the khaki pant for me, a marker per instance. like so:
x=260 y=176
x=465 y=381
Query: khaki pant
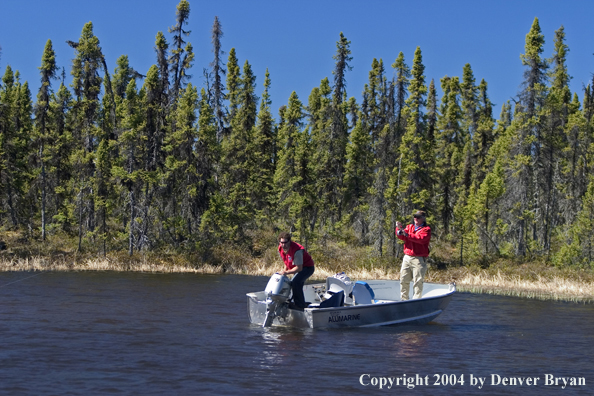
x=413 y=269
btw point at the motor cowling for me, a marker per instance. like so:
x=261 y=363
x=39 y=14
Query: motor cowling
x=277 y=293
x=278 y=287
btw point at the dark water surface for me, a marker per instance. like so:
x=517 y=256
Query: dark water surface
x=154 y=334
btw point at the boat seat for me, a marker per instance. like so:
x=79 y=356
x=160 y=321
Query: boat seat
x=334 y=285
x=362 y=293
x=336 y=300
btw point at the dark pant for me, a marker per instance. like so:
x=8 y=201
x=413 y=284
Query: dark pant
x=297 y=286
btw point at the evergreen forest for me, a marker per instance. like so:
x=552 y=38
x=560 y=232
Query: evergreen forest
x=138 y=161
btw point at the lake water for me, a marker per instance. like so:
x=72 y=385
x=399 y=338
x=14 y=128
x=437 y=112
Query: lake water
x=153 y=334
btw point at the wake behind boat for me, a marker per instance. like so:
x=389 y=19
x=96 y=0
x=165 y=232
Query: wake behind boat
x=340 y=302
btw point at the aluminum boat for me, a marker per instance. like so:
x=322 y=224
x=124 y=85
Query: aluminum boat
x=340 y=303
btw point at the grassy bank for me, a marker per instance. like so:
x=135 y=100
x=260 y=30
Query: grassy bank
x=502 y=277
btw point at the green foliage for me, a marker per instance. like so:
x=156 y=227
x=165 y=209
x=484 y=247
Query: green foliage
x=578 y=248
x=358 y=179
x=292 y=178
x=181 y=57
x=233 y=82
x=168 y=165
x=262 y=147
x=15 y=129
x=238 y=187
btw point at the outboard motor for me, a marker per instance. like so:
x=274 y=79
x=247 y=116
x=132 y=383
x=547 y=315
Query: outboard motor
x=277 y=293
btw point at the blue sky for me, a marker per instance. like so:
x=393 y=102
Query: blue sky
x=296 y=40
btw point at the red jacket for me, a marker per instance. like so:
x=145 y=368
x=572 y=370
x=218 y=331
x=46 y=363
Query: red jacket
x=290 y=255
x=416 y=243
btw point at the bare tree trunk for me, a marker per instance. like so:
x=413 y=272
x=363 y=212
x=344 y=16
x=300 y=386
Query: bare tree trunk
x=80 y=219
x=43 y=197
x=13 y=216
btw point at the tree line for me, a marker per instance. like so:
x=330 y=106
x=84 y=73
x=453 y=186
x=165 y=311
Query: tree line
x=126 y=161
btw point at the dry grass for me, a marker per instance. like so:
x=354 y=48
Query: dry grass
x=550 y=286
x=100 y=264
x=522 y=281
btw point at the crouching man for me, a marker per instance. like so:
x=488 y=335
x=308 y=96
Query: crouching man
x=297 y=263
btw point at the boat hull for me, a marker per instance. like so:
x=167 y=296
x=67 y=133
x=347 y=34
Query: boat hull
x=382 y=313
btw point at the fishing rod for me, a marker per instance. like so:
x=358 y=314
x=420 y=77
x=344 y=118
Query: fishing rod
x=20 y=280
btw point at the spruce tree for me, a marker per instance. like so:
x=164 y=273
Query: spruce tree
x=338 y=138
x=485 y=212
x=207 y=155
x=294 y=198
x=553 y=139
x=389 y=159
x=484 y=136
x=414 y=185
x=451 y=141
x=358 y=178
x=319 y=127
x=263 y=155
x=160 y=89
x=401 y=83
x=6 y=136
x=469 y=95
x=180 y=169
x=218 y=71
x=575 y=161
x=373 y=108
x=527 y=147
x=128 y=169
x=58 y=159
x=48 y=72
x=122 y=75
x=375 y=119
x=577 y=246
x=87 y=89
x=177 y=220
x=181 y=56
x=233 y=84
x=15 y=168
x=154 y=131
x=432 y=114
x=26 y=173
x=237 y=186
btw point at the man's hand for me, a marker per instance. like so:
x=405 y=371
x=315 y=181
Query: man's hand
x=400 y=229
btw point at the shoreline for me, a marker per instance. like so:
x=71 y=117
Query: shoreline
x=524 y=281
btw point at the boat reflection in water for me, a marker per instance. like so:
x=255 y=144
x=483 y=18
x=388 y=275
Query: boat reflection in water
x=343 y=303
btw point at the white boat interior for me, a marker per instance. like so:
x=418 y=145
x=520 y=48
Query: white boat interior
x=371 y=291
x=360 y=292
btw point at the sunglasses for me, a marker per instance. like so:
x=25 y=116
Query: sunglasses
x=284 y=243
x=418 y=217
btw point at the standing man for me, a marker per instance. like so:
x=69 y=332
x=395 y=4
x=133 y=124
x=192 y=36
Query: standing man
x=297 y=263
x=416 y=237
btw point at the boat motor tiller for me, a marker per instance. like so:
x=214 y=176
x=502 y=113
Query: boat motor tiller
x=277 y=293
